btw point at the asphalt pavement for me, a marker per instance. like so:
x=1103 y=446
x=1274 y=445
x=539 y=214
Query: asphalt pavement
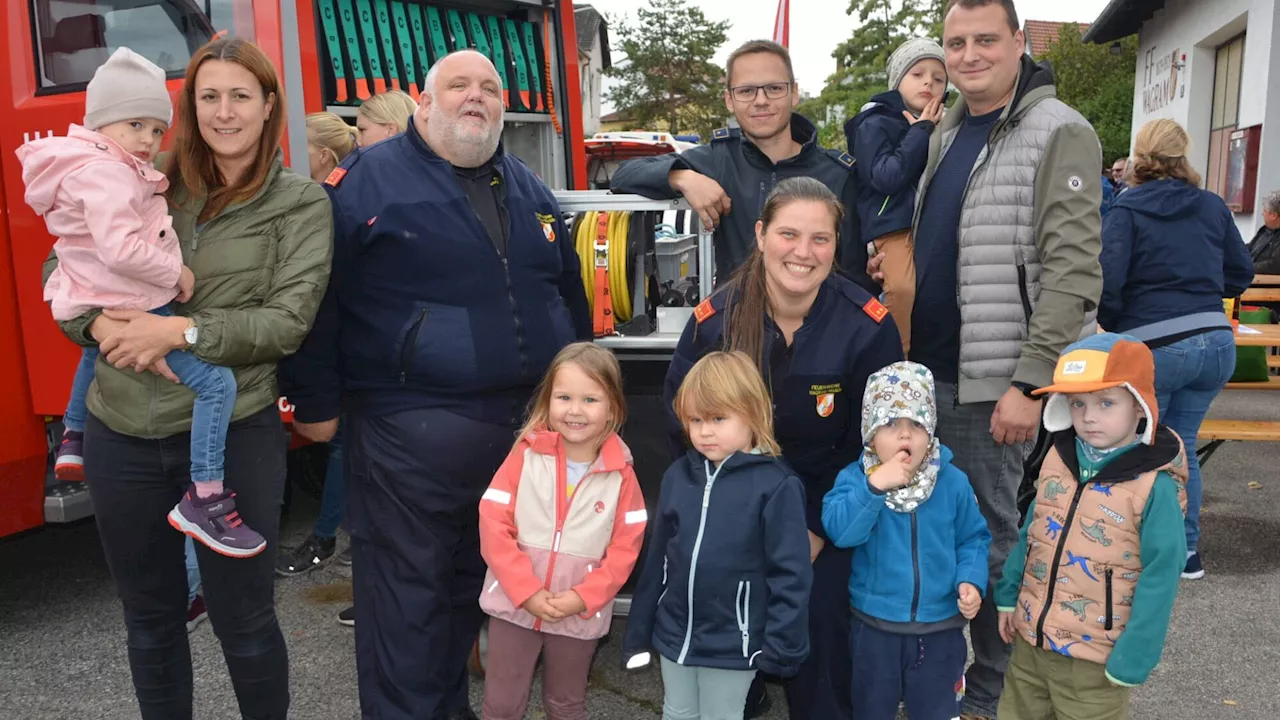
x=62 y=650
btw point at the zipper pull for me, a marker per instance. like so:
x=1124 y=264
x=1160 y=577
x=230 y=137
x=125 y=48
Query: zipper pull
x=555 y=543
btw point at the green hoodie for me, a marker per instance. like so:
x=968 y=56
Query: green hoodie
x=261 y=267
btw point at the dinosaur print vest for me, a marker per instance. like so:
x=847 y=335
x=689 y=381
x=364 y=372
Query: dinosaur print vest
x=1083 y=560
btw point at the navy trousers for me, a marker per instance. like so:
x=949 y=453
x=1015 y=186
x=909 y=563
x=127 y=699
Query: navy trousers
x=414 y=484
x=924 y=671
x=821 y=689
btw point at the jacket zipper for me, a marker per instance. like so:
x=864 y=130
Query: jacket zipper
x=562 y=513
x=885 y=205
x=664 y=580
x=506 y=276
x=915 y=568
x=1053 y=569
x=1023 y=293
x=1107 y=625
x=743 y=608
x=693 y=561
x=411 y=346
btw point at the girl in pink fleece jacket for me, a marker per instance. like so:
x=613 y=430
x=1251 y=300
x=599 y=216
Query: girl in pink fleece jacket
x=101 y=197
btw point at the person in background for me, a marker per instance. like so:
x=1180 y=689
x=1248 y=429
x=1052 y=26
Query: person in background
x=729 y=530
x=329 y=141
x=455 y=283
x=1118 y=169
x=727 y=181
x=1007 y=235
x=383 y=115
x=889 y=140
x=1264 y=249
x=919 y=553
x=561 y=526
x=1086 y=594
x=1109 y=193
x=815 y=336
x=1170 y=253
x=258 y=239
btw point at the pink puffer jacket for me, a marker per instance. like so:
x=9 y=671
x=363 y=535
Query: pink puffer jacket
x=116 y=245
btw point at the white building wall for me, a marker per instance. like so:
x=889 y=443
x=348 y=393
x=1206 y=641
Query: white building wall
x=1195 y=28
x=591 y=75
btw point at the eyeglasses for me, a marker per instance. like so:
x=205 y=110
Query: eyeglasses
x=747 y=93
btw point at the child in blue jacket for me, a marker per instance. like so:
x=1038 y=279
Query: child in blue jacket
x=725 y=586
x=920 y=553
x=889 y=141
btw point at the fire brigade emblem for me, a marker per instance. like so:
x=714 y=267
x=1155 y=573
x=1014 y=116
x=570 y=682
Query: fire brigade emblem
x=548 y=226
x=826 y=404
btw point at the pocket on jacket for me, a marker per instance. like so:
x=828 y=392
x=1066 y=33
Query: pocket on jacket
x=436 y=348
x=742 y=608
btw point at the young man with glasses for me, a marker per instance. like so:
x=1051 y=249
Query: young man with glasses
x=727 y=180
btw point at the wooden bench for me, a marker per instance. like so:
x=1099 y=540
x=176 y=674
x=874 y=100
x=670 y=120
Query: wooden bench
x=1219 y=431
x=1261 y=294
x=1273 y=362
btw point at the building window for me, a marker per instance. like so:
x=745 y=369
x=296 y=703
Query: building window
x=1225 y=111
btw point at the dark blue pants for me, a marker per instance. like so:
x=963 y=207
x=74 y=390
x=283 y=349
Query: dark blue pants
x=924 y=671
x=821 y=688
x=414 y=481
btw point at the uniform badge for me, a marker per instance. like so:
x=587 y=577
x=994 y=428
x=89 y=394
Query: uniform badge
x=703 y=311
x=335 y=177
x=1075 y=183
x=875 y=310
x=599 y=507
x=548 y=226
x=826 y=404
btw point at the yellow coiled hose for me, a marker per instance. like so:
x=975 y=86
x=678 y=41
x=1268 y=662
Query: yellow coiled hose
x=618 y=225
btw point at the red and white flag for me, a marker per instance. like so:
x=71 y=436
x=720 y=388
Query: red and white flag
x=782 y=23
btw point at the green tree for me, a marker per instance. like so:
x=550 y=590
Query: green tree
x=667 y=75
x=1098 y=83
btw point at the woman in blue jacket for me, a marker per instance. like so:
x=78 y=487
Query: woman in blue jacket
x=816 y=336
x=1170 y=253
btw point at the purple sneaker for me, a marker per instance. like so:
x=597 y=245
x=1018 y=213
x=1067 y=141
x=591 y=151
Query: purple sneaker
x=214 y=522
x=69 y=464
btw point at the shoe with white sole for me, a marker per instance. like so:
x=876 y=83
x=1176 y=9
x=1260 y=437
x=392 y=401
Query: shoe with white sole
x=214 y=522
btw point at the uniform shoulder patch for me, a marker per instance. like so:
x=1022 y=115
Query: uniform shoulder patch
x=335 y=177
x=703 y=311
x=875 y=310
x=845 y=159
x=720 y=133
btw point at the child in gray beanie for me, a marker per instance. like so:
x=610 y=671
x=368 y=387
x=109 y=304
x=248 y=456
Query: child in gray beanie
x=889 y=140
x=920 y=551
x=104 y=201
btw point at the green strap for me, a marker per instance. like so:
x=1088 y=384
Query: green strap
x=370 y=39
x=352 y=38
x=517 y=59
x=531 y=45
x=499 y=53
x=436 y=28
x=419 y=36
x=405 y=40
x=383 y=14
x=329 y=20
x=479 y=40
x=459 y=31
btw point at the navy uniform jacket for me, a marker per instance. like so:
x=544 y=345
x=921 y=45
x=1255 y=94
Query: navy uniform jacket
x=423 y=309
x=748 y=176
x=726 y=583
x=817 y=382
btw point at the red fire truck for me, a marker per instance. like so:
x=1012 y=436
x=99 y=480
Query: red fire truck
x=331 y=55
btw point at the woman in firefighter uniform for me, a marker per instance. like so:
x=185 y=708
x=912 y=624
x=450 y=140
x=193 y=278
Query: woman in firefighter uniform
x=817 y=337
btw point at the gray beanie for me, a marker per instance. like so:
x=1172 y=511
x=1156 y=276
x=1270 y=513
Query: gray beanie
x=126 y=86
x=908 y=54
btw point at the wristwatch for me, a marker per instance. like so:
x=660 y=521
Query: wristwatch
x=1027 y=389
x=191 y=334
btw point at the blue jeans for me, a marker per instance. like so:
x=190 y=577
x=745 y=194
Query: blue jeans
x=215 y=389
x=334 y=497
x=1189 y=375
x=193 y=572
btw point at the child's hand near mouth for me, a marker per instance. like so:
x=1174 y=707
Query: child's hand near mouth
x=893 y=473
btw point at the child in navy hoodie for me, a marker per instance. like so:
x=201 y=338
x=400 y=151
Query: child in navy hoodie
x=889 y=140
x=725 y=586
x=920 y=553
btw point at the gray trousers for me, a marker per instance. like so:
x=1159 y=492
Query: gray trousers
x=701 y=693
x=994 y=471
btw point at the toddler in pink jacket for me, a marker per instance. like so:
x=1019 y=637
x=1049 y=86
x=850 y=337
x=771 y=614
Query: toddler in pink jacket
x=103 y=199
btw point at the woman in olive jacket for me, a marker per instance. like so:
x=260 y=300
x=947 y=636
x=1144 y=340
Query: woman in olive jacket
x=258 y=238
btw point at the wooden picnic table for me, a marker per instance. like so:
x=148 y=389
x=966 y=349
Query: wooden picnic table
x=1267 y=336
x=1266 y=280
x=1261 y=294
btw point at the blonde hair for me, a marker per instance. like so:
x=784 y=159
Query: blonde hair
x=393 y=107
x=1159 y=152
x=332 y=134
x=598 y=364
x=729 y=383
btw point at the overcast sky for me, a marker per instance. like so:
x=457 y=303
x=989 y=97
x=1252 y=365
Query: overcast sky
x=818 y=26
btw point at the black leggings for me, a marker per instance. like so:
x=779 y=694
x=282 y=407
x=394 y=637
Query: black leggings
x=134 y=483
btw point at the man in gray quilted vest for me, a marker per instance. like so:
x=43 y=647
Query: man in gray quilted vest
x=1007 y=236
